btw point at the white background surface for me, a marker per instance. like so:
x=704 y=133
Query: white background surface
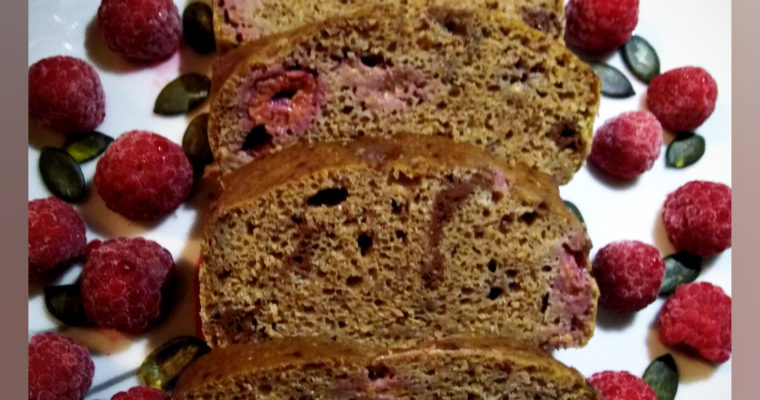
x=684 y=32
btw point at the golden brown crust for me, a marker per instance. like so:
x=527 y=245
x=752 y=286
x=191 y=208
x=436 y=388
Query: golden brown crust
x=233 y=372
x=538 y=108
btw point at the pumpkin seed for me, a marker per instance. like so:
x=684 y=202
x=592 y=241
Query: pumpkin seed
x=614 y=83
x=641 y=58
x=197 y=27
x=680 y=268
x=662 y=376
x=573 y=209
x=195 y=141
x=65 y=303
x=162 y=367
x=182 y=94
x=685 y=150
x=61 y=174
x=86 y=146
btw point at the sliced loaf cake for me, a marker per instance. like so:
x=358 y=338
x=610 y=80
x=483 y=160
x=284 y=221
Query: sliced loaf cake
x=393 y=241
x=240 y=21
x=469 y=75
x=454 y=368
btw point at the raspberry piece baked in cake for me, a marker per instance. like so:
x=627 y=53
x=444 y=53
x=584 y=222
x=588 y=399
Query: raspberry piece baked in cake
x=393 y=241
x=454 y=368
x=466 y=74
x=240 y=21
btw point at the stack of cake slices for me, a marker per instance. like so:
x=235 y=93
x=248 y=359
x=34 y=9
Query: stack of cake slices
x=389 y=224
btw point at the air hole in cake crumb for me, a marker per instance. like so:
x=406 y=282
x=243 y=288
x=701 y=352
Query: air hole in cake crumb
x=296 y=220
x=403 y=179
x=511 y=273
x=257 y=137
x=514 y=286
x=341 y=324
x=495 y=292
x=347 y=109
x=375 y=372
x=372 y=60
x=492 y=265
x=379 y=302
x=401 y=235
x=471 y=396
x=544 y=302
x=496 y=196
x=224 y=274
x=396 y=208
x=365 y=243
x=528 y=218
x=479 y=235
x=486 y=212
x=354 y=280
x=250 y=227
x=328 y=197
x=467 y=290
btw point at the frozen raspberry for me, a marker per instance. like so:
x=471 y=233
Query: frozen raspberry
x=629 y=274
x=621 y=385
x=683 y=98
x=697 y=217
x=599 y=26
x=143 y=176
x=56 y=235
x=628 y=145
x=141 y=393
x=698 y=316
x=126 y=283
x=59 y=368
x=141 y=30
x=65 y=95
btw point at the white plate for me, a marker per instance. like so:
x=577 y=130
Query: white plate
x=684 y=32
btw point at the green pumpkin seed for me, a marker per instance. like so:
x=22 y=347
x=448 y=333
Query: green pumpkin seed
x=614 y=83
x=195 y=141
x=198 y=28
x=62 y=175
x=86 y=146
x=641 y=58
x=162 y=367
x=182 y=94
x=662 y=376
x=573 y=209
x=680 y=268
x=65 y=303
x=685 y=150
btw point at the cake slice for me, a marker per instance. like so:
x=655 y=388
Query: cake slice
x=240 y=21
x=390 y=242
x=470 y=75
x=453 y=368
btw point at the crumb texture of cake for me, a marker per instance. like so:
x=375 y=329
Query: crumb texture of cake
x=470 y=75
x=393 y=241
x=459 y=367
x=240 y=21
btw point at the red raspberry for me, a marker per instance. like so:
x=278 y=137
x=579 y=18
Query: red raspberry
x=141 y=393
x=621 y=385
x=126 y=282
x=698 y=316
x=141 y=30
x=65 y=95
x=683 y=98
x=629 y=274
x=628 y=145
x=56 y=235
x=599 y=26
x=697 y=217
x=143 y=176
x=59 y=368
